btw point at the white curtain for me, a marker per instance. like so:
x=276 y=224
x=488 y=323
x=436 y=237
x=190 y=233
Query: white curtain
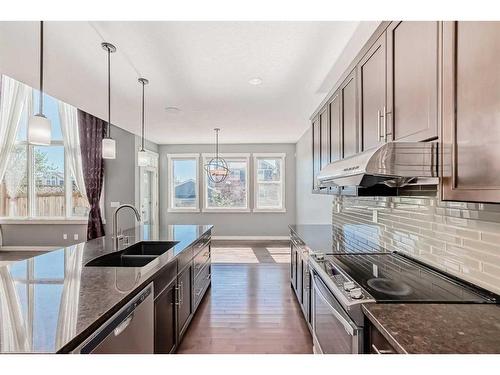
x=12 y=101
x=68 y=116
x=13 y=334
x=68 y=310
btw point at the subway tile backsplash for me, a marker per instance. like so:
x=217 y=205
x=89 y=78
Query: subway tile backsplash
x=460 y=238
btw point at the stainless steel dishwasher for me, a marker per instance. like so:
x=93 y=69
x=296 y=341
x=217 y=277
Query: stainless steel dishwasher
x=129 y=331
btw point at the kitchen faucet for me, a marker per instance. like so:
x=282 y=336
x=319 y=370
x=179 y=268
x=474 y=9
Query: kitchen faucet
x=116 y=238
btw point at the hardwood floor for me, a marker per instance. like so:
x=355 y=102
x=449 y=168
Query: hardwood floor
x=250 y=307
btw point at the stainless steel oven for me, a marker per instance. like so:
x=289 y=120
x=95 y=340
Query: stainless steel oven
x=333 y=330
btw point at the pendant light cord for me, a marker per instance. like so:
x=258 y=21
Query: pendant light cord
x=216 y=144
x=40 y=104
x=142 y=146
x=108 y=133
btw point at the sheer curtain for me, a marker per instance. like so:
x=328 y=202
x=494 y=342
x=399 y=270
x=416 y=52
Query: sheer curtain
x=13 y=98
x=68 y=116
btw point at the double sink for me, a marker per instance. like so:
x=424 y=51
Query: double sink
x=137 y=255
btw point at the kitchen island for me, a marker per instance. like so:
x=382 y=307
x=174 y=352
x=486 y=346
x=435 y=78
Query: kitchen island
x=50 y=303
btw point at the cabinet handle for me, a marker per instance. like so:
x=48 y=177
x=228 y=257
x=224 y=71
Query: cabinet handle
x=181 y=293
x=378 y=125
x=385 y=124
x=177 y=296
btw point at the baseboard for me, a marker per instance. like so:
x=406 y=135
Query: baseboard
x=250 y=238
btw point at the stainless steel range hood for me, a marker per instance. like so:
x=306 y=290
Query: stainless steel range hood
x=393 y=164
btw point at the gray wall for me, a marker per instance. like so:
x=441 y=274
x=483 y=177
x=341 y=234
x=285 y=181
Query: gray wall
x=311 y=208
x=234 y=224
x=121 y=185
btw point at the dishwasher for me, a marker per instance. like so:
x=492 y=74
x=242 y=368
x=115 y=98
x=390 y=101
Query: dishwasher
x=129 y=331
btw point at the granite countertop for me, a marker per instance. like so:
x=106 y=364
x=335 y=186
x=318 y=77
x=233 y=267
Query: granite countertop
x=438 y=328
x=50 y=301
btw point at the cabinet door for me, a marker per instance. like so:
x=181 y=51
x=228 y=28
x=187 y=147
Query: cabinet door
x=412 y=80
x=184 y=291
x=165 y=327
x=471 y=110
x=335 y=128
x=372 y=95
x=316 y=148
x=349 y=112
x=325 y=137
x=294 y=267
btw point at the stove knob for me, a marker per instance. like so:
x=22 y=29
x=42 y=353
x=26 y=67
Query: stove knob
x=349 y=285
x=356 y=293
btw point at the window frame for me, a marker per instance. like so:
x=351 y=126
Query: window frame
x=32 y=217
x=170 y=182
x=228 y=156
x=269 y=155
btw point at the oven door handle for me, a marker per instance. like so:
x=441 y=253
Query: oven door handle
x=347 y=325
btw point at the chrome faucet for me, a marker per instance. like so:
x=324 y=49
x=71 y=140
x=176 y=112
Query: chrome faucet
x=116 y=237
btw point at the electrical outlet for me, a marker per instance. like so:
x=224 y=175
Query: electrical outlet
x=75 y=236
x=65 y=236
x=114 y=204
x=375 y=216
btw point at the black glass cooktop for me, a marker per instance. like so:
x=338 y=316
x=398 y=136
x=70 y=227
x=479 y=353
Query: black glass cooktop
x=394 y=278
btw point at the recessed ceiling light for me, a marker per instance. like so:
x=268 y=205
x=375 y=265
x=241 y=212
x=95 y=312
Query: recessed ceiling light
x=172 y=110
x=255 y=81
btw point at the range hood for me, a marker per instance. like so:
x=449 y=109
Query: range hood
x=394 y=164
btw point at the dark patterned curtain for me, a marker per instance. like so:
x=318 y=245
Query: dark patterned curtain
x=91 y=134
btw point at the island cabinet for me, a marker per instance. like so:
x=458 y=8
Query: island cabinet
x=471 y=110
x=372 y=95
x=184 y=300
x=412 y=81
x=165 y=320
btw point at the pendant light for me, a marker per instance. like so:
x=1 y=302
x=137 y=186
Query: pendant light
x=108 y=143
x=39 y=127
x=142 y=155
x=217 y=169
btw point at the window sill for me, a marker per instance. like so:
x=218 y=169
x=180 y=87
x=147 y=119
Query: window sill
x=226 y=210
x=185 y=211
x=60 y=221
x=270 y=210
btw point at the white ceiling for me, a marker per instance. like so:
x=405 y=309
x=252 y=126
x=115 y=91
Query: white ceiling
x=201 y=67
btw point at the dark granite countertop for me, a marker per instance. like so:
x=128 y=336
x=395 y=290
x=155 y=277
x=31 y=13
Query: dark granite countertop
x=50 y=302
x=438 y=328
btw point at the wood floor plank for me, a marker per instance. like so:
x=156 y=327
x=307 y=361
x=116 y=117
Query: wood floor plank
x=250 y=308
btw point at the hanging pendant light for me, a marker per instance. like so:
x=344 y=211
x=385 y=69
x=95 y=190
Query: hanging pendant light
x=108 y=143
x=39 y=127
x=142 y=155
x=217 y=169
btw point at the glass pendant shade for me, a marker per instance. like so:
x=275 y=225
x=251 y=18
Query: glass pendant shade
x=142 y=158
x=39 y=130
x=108 y=148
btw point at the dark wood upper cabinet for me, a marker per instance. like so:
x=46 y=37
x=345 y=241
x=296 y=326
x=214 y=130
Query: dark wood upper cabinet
x=325 y=137
x=335 y=128
x=316 y=151
x=471 y=110
x=349 y=113
x=412 y=80
x=372 y=94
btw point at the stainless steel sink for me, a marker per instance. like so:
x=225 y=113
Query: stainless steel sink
x=137 y=255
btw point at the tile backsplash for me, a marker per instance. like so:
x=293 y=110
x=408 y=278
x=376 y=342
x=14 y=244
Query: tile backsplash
x=460 y=238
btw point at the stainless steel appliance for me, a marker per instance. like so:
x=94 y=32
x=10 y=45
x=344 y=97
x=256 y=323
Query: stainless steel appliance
x=393 y=164
x=343 y=282
x=129 y=331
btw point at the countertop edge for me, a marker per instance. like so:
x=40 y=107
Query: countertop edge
x=382 y=330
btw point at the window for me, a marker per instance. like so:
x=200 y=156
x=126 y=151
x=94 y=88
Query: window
x=183 y=182
x=269 y=182
x=38 y=182
x=232 y=193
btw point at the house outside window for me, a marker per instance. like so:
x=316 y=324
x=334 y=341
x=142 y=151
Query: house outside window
x=269 y=182
x=183 y=186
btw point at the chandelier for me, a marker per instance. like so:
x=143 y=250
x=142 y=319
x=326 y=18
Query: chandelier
x=217 y=169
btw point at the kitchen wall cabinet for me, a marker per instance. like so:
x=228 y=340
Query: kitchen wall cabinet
x=316 y=150
x=349 y=117
x=325 y=137
x=471 y=110
x=372 y=95
x=412 y=80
